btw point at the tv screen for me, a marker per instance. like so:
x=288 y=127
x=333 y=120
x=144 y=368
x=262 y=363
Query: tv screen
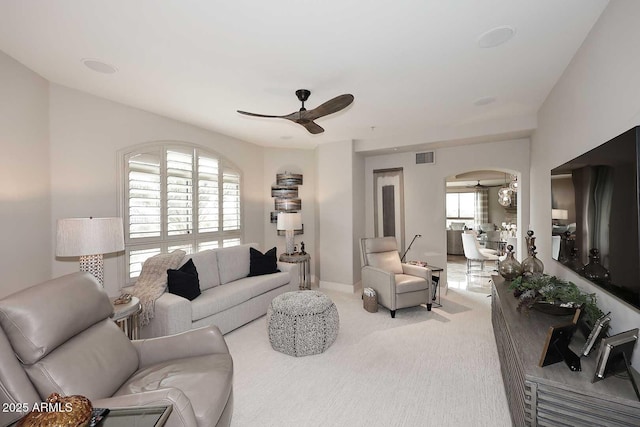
x=594 y=201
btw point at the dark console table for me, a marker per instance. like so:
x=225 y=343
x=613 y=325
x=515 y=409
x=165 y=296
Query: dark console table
x=553 y=395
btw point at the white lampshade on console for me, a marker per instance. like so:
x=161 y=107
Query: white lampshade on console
x=289 y=221
x=89 y=238
x=559 y=214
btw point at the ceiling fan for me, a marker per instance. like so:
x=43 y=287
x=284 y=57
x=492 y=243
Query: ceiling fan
x=477 y=186
x=306 y=117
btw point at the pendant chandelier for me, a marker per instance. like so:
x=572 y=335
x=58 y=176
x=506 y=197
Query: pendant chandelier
x=505 y=193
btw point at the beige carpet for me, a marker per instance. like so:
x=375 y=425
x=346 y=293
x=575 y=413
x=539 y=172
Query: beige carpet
x=437 y=368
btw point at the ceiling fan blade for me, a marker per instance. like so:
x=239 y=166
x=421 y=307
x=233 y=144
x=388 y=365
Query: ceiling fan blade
x=331 y=106
x=260 y=115
x=312 y=127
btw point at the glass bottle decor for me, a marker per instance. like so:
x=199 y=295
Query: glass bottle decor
x=595 y=271
x=532 y=266
x=510 y=268
x=531 y=241
x=574 y=262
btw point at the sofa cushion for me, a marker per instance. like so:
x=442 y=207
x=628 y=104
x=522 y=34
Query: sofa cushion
x=233 y=263
x=406 y=283
x=206 y=263
x=205 y=380
x=223 y=297
x=184 y=281
x=260 y=264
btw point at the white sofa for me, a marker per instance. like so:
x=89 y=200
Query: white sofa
x=229 y=298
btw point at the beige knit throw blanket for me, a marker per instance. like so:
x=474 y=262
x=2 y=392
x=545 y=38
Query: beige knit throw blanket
x=152 y=281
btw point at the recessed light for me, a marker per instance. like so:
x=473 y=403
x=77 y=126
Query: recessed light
x=484 y=101
x=99 y=66
x=496 y=36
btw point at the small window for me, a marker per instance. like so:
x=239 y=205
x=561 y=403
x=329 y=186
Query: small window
x=460 y=207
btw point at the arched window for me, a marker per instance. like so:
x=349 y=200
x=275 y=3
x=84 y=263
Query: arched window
x=177 y=196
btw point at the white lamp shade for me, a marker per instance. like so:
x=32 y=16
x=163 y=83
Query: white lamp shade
x=89 y=236
x=559 y=214
x=289 y=221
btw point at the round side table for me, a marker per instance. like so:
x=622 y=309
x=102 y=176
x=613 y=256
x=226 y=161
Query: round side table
x=304 y=269
x=127 y=317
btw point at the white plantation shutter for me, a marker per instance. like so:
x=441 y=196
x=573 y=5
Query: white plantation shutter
x=208 y=194
x=230 y=242
x=137 y=258
x=179 y=193
x=203 y=246
x=178 y=196
x=230 y=200
x=144 y=194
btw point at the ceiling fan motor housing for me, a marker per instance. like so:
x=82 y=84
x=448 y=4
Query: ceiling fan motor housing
x=303 y=94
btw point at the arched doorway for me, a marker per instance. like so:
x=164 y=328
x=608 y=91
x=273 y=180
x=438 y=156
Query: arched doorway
x=473 y=204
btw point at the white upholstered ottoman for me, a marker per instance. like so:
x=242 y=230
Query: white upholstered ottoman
x=302 y=323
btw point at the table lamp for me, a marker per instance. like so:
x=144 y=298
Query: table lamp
x=557 y=214
x=289 y=221
x=89 y=238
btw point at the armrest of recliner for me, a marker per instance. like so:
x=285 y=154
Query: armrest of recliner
x=196 y=342
x=181 y=414
x=418 y=271
x=382 y=281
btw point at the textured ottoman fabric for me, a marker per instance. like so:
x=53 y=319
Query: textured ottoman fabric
x=302 y=323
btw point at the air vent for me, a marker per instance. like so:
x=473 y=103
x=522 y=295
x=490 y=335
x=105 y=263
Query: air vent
x=428 y=157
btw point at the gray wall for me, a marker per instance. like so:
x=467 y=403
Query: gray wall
x=596 y=99
x=424 y=189
x=279 y=160
x=86 y=133
x=335 y=198
x=25 y=203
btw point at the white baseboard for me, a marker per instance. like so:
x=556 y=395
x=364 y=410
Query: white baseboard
x=340 y=287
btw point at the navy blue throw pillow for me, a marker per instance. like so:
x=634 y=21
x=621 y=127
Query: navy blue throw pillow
x=260 y=263
x=184 y=281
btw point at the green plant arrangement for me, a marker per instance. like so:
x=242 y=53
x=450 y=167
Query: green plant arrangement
x=550 y=289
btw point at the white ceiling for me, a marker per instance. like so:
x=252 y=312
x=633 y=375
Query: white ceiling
x=414 y=66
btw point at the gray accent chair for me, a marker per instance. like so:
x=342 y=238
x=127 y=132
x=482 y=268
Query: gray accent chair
x=397 y=284
x=58 y=337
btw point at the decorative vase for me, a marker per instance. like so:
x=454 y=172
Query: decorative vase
x=595 y=271
x=532 y=266
x=574 y=262
x=510 y=268
x=531 y=241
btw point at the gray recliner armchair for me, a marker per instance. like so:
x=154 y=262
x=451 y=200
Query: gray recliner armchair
x=398 y=285
x=58 y=337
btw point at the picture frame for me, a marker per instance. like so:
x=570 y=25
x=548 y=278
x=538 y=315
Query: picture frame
x=597 y=332
x=614 y=355
x=556 y=347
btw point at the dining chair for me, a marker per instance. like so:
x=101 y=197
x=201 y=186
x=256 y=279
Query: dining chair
x=474 y=253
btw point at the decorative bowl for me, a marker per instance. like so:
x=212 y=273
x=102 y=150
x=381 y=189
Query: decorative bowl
x=555 y=308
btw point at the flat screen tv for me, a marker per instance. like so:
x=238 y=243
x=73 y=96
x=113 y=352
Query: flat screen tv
x=594 y=201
